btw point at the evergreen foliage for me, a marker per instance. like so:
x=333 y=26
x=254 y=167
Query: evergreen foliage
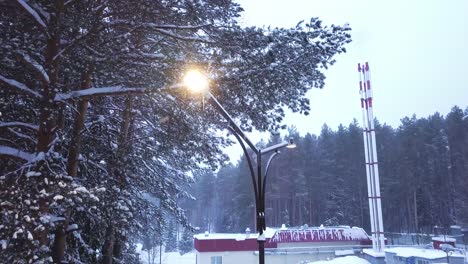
x=186 y=242
x=98 y=140
x=423 y=170
x=171 y=238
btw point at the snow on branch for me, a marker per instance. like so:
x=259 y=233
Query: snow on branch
x=100 y=7
x=21 y=135
x=71 y=44
x=165 y=29
x=113 y=90
x=180 y=37
x=19 y=124
x=45 y=15
x=144 y=55
x=96 y=92
x=36 y=66
x=20 y=86
x=68 y=2
x=157 y=26
x=16 y=153
x=33 y=13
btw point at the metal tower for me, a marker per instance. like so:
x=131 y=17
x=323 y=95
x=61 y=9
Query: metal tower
x=370 y=152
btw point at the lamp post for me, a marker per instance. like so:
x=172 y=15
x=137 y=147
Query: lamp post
x=197 y=82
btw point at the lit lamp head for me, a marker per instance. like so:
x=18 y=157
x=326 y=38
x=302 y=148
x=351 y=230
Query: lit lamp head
x=196 y=81
x=291 y=144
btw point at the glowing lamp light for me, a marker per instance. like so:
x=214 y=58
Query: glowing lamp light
x=196 y=81
x=291 y=144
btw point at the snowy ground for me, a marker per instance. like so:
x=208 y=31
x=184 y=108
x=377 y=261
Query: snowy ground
x=167 y=257
x=189 y=258
x=343 y=260
x=172 y=258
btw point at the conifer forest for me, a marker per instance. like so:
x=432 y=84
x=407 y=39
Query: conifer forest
x=423 y=167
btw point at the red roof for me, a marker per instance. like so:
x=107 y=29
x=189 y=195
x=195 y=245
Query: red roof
x=320 y=235
x=239 y=242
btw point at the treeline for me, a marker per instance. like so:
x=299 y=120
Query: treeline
x=423 y=170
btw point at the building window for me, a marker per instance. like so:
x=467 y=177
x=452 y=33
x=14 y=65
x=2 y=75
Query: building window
x=420 y=261
x=216 y=260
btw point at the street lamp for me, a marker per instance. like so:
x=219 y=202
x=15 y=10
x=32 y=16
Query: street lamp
x=291 y=144
x=198 y=82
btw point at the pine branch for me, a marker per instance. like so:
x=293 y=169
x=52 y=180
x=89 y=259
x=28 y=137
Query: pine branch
x=164 y=29
x=112 y=90
x=19 y=86
x=94 y=29
x=33 y=13
x=180 y=37
x=21 y=135
x=157 y=26
x=36 y=66
x=18 y=124
x=16 y=153
x=72 y=43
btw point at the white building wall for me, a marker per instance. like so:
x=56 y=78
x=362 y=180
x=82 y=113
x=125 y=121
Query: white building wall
x=228 y=257
x=249 y=257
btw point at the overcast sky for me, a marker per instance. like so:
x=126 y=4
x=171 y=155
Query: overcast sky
x=417 y=51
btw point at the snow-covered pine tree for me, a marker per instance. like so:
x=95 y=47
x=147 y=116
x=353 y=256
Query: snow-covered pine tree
x=224 y=193
x=186 y=242
x=457 y=136
x=331 y=191
x=94 y=129
x=171 y=238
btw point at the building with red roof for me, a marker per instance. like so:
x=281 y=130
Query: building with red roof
x=282 y=245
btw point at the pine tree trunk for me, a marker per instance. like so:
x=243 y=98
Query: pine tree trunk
x=75 y=143
x=361 y=208
x=46 y=119
x=47 y=123
x=60 y=116
x=108 y=248
x=118 y=247
x=293 y=213
x=58 y=249
x=408 y=220
x=416 y=225
x=452 y=190
x=123 y=141
x=59 y=246
x=310 y=212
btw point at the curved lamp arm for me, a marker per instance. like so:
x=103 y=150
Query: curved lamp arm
x=232 y=124
x=266 y=171
x=249 y=161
